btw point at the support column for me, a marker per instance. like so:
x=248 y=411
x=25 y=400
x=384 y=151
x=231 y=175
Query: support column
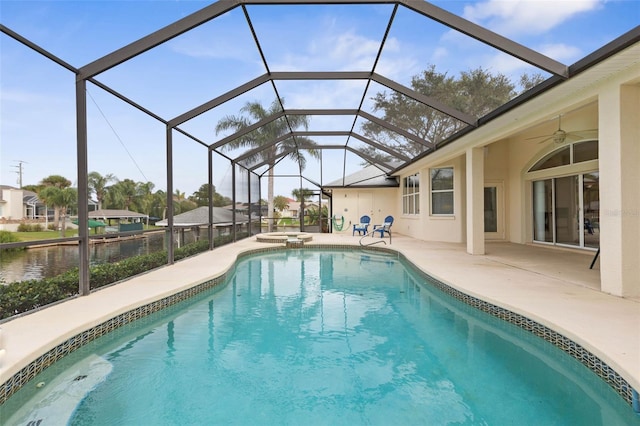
x=210 y=195
x=233 y=198
x=84 y=287
x=170 y=242
x=475 y=200
x=618 y=154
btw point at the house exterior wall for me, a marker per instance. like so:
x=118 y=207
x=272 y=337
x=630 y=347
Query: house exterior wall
x=12 y=208
x=620 y=178
x=610 y=104
x=352 y=203
x=428 y=227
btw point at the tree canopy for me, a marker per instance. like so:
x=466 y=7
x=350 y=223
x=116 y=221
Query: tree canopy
x=475 y=92
x=201 y=197
x=264 y=137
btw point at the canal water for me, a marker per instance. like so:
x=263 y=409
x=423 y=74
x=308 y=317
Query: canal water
x=44 y=262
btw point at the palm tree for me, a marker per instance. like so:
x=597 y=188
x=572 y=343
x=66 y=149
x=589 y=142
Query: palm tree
x=60 y=199
x=53 y=181
x=280 y=202
x=98 y=185
x=254 y=112
x=144 y=200
x=301 y=195
x=129 y=191
x=57 y=181
x=179 y=198
x=159 y=204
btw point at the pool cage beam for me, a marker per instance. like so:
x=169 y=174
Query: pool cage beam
x=84 y=287
x=208 y=13
x=233 y=201
x=424 y=8
x=210 y=194
x=169 y=165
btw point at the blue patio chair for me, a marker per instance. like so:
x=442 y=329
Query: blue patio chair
x=362 y=227
x=385 y=227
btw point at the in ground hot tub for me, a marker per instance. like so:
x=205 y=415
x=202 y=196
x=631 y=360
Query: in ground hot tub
x=292 y=239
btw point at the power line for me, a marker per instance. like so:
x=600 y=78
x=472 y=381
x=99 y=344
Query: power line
x=118 y=137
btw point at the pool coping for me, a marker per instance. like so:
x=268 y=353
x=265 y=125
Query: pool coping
x=56 y=348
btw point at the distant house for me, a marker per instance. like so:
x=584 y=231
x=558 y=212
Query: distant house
x=195 y=219
x=222 y=217
x=243 y=208
x=18 y=204
x=293 y=207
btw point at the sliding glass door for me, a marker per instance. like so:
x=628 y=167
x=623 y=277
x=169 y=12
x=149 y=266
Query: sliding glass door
x=566 y=210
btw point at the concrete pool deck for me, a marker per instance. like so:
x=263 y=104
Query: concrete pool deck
x=554 y=287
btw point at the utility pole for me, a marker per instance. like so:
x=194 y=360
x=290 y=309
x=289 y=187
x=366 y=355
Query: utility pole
x=19 y=171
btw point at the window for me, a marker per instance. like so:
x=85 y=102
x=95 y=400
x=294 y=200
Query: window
x=442 y=191
x=411 y=194
x=585 y=151
x=576 y=153
x=566 y=210
x=560 y=157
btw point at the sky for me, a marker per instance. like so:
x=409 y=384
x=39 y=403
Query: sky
x=37 y=96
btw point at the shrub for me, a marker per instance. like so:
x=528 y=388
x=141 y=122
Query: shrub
x=23 y=296
x=29 y=227
x=8 y=237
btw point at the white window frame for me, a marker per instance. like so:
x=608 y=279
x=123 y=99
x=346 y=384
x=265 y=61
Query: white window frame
x=441 y=191
x=411 y=195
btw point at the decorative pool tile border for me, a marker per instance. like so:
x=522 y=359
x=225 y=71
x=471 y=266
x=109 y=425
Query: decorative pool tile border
x=577 y=351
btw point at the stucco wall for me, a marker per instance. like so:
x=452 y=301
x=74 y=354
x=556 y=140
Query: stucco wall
x=12 y=208
x=377 y=203
x=426 y=226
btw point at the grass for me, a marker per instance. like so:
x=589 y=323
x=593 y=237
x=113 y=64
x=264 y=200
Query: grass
x=44 y=235
x=50 y=235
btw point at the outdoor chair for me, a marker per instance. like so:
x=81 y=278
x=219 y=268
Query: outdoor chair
x=362 y=227
x=385 y=227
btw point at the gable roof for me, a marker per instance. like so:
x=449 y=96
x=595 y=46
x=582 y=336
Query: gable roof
x=368 y=177
x=200 y=217
x=115 y=214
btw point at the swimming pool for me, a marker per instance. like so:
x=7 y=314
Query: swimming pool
x=320 y=337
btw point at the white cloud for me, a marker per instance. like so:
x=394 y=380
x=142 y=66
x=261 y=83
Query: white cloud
x=345 y=51
x=355 y=51
x=439 y=53
x=561 y=52
x=513 y=67
x=510 y=17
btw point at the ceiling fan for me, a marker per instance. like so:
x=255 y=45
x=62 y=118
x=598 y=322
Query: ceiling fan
x=561 y=136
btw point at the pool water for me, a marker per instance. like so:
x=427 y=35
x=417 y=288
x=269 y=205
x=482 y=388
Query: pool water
x=319 y=338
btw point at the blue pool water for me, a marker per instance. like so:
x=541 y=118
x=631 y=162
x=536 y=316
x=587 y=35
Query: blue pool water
x=319 y=338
